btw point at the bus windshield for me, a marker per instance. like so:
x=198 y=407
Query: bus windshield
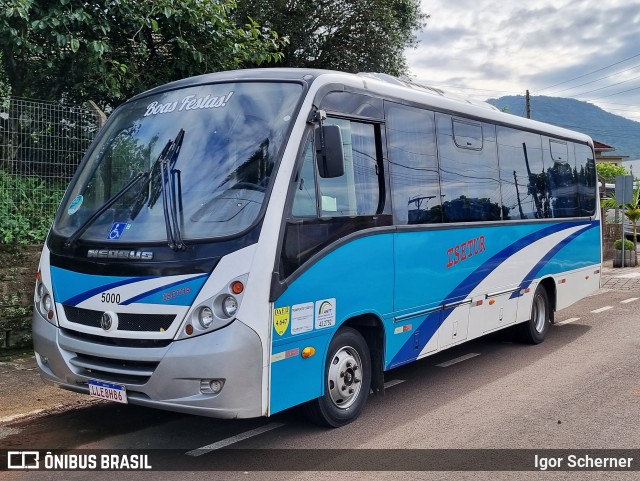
x=133 y=186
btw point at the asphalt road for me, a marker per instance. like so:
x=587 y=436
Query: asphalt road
x=580 y=389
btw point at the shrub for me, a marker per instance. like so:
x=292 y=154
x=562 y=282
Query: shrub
x=628 y=245
x=27 y=208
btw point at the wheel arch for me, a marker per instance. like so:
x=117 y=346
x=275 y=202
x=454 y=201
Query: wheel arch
x=371 y=329
x=549 y=285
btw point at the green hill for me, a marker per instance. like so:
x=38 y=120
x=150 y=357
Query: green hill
x=619 y=132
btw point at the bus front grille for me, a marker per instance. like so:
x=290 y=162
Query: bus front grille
x=126 y=321
x=116 y=341
x=115 y=370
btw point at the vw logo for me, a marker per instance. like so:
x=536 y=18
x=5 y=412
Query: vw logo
x=106 y=321
x=109 y=321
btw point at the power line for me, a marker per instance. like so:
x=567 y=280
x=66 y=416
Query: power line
x=587 y=74
x=606 y=87
x=596 y=80
x=615 y=103
x=617 y=93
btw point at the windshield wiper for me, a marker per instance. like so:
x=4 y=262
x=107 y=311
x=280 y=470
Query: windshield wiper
x=87 y=223
x=166 y=158
x=169 y=202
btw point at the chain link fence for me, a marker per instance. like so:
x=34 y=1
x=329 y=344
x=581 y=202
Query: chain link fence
x=41 y=145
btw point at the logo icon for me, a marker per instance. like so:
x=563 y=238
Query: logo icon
x=108 y=321
x=23 y=460
x=119 y=254
x=325 y=308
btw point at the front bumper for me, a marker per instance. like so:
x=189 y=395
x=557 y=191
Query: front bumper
x=165 y=377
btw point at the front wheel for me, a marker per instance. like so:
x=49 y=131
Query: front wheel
x=535 y=329
x=347 y=378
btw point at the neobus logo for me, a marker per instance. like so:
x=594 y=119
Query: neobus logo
x=119 y=254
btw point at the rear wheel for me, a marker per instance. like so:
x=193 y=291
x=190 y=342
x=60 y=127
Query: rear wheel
x=535 y=330
x=347 y=381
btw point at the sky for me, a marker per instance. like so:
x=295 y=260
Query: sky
x=574 y=49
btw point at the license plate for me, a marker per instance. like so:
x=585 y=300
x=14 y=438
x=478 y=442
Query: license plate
x=108 y=391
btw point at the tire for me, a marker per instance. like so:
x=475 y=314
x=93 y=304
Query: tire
x=535 y=329
x=347 y=378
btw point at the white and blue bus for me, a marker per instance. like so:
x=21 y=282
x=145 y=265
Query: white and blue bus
x=239 y=243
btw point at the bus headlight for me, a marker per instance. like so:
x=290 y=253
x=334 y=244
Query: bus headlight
x=205 y=317
x=44 y=303
x=215 y=312
x=229 y=306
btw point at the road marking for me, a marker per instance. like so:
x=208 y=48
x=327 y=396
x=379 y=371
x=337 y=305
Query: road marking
x=627 y=301
x=602 y=309
x=458 y=359
x=568 y=321
x=233 y=439
x=392 y=383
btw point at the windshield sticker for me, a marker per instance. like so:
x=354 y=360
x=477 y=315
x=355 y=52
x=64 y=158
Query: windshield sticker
x=117 y=229
x=325 y=313
x=75 y=205
x=302 y=318
x=190 y=102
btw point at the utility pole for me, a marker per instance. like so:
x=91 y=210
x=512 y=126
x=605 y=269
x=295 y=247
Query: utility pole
x=528 y=104
x=515 y=180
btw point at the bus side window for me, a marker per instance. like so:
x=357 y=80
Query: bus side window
x=467 y=135
x=522 y=177
x=561 y=178
x=357 y=192
x=585 y=167
x=351 y=202
x=414 y=165
x=469 y=170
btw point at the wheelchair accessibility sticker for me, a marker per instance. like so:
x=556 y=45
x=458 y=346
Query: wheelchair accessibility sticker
x=117 y=229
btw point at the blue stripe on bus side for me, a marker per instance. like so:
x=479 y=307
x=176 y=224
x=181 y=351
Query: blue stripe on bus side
x=432 y=322
x=467 y=285
x=542 y=264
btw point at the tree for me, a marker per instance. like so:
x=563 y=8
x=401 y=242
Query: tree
x=5 y=89
x=109 y=50
x=347 y=35
x=609 y=172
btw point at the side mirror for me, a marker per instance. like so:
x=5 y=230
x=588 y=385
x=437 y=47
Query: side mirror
x=329 y=153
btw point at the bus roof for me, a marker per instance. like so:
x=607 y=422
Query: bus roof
x=382 y=84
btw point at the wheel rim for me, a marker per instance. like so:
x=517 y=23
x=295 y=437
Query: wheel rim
x=345 y=377
x=539 y=313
